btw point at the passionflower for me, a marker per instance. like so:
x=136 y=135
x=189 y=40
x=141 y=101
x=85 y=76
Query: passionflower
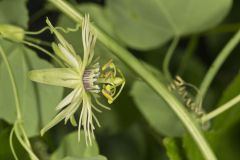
x=88 y=80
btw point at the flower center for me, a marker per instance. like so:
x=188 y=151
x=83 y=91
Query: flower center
x=90 y=77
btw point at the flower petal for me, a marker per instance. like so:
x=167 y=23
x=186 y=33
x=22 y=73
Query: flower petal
x=58 y=52
x=66 y=100
x=55 y=121
x=86 y=119
x=65 y=113
x=89 y=40
x=64 y=77
x=73 y=121
x=69 y=58
x=73 y=97
x=72 y=109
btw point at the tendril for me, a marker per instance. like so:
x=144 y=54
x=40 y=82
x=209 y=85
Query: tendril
x=64 y=30
x=181 y=87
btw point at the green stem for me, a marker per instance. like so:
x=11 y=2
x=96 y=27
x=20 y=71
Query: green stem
x=221 y=109
x=187 y=54
x=168 y=57
x=149 y=78
x=214 y=68
x=12 y=80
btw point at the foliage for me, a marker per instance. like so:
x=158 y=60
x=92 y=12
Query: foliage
x=147 y=121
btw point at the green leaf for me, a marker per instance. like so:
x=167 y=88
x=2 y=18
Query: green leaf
x=71 y=147
x=172 y=149
x=14 y=12
x=38 y=102
x=156 y=111
x=88 y=158
x=145 y=24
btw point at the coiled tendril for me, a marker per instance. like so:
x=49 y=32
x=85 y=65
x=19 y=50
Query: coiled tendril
x=182 y=89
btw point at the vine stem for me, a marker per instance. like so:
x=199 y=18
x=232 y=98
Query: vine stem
x=214 y=68
x=221 y=109
x=168 y=57
x=149 y=78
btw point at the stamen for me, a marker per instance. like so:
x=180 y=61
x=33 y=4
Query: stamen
x=90 y=78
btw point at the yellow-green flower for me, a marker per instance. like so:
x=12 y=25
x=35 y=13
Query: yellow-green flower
x=87 y=79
